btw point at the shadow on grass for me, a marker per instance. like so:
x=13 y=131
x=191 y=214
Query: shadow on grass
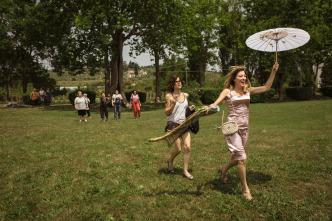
x=177 y=172
x=256 y=178
x=95 y=107
x=180 y=192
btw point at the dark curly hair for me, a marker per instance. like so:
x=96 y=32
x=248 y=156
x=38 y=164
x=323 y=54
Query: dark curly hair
x=172 y=81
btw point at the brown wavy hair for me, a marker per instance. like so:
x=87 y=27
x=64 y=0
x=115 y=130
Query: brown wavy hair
x=171 y=82
x=234 y=70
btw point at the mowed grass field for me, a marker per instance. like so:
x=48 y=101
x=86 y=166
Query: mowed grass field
x=54 y=168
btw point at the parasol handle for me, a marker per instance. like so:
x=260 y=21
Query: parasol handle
x=276 y=50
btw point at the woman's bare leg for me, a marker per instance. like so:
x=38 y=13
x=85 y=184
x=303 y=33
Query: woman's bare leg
x=176 y=151
x=186 y=155
x=225 y=168
x=242 y=173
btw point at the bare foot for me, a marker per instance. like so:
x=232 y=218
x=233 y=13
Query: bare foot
x=247 y=195
x=188 y=175
x=223 y=175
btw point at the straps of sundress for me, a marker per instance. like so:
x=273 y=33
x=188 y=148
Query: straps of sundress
x=230 y=97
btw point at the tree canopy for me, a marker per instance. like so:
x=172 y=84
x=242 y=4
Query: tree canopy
x=73 y=34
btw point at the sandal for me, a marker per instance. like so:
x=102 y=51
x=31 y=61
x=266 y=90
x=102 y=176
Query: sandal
x=169 y=169
x=223 y=176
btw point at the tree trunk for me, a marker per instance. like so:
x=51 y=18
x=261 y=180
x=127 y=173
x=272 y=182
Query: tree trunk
x=114 y=74
x=158 y=89
x=201 y=73
x=120 y=68
x=117 y=66
x=301 y=72
x=7 y=90
x=314 y=86
x=280 y=85
x=107 y=74
x=24 y=78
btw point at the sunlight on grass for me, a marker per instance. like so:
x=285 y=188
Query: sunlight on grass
x=53 y=167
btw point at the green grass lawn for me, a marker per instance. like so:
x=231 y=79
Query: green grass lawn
x=55 y=168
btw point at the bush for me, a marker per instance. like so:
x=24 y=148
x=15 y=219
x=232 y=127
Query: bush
x=326 y=76
x=142 y=96
x=91 y=95
x=263 y=97
x=195 y=97
x=57 y=91
x=221 y=82
x=327 y=90
x=27 y=100
x=299 y=93
x=3 y=94
x=194 y=93
x=209 y=95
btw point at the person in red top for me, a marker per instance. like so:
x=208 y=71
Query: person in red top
x=136 y=103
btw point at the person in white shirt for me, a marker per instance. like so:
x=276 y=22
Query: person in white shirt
x=80 y=105
x=116 y=103
x=88 y=107
x=42 y=95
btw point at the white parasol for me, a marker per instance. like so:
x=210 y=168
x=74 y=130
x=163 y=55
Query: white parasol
x=278 y=39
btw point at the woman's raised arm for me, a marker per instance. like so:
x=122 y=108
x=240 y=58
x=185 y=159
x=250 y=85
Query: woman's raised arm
x=268 y=84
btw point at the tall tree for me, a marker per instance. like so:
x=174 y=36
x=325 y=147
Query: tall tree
x=200 y=38
x=24 y=28
x=232 y=34
x=159 y=32
x=101 y=29
x=312 y=16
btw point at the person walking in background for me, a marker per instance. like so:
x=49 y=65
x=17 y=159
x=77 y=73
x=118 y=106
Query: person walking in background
x=34 y=96
x=237 y=94
x=103 y=107
x=88 y=106
x=42 y=95
x=48 y=97
x=116 y=103
x=80 y=105
x=136 y=103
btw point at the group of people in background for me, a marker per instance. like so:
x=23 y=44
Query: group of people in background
x=42 y=95
x=82 y=105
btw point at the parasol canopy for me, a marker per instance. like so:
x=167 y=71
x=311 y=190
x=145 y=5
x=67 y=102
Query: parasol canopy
x=278 y=39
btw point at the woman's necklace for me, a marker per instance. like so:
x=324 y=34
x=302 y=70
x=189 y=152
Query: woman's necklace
x=176 y=95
